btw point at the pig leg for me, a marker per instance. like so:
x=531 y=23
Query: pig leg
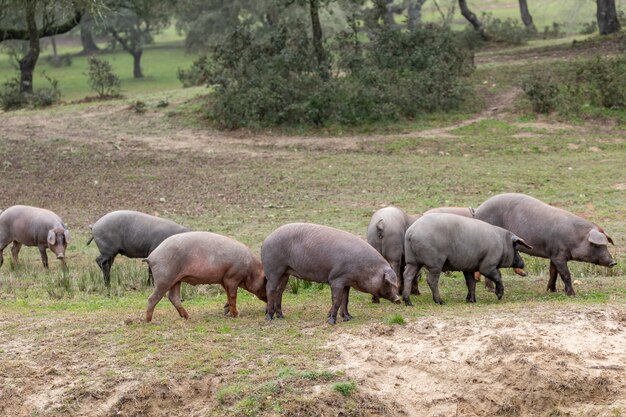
x=44 y=255
x=433 y=283
x=157 y=294
x=279 y=296
x=337 y=292
x=470 y=281
x=174 y=296
x=15 y=250
x=566 y=277
x=410 y=272
x=231 y=292
x=553 y=277
x=272 y=286
x=494 y=275
x=105 y=264
x=344 y=305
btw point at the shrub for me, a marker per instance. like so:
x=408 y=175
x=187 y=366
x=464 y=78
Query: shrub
x=274 y=79
x=101 y=77
x=551 y=32
x=197 y=74
x=601 y=82
x=589 y=28
x=12 y=99
x=542 y=91
x=506 y=31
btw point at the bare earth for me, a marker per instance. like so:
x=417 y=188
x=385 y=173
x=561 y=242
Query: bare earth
x=517 y=363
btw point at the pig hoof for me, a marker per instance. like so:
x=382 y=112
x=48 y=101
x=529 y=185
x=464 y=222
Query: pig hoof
x=280 y=316
x=269 y=317
x=375 y=300
x=571 y=293
x=407 y=302
x=470 y=300
x=440 y=302
x=347 y=317
x=331 y=320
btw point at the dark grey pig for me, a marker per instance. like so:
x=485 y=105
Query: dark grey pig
x=553 y=233
x=459 y=211
x=204 y=258
x=129 y=233
x=386 y=234
x=447 y=242
x=32 y=226
x=324 y=254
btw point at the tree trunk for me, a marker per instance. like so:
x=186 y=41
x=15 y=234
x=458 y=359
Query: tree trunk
x=29 y=60
x=415 y=13
x=317 y=38
x=137 y=64
x=471 y=17
x=86 y=36
x=526 y=17
x=607 y=17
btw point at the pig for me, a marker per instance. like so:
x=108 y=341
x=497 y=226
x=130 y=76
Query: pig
x=447 y=242
x=459 y=211
x=553 y=233
x=469 y=212
x=130 y=233
x=323 y=254
x=33 y=226
x=203 y=258
x=385 y=233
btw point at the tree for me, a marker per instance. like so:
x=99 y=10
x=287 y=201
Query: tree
x=86 y=35
x=471 y=17
x=414 y=10
x=607 y=17
x=132 y=24
x=527 y=19
x=31 y=20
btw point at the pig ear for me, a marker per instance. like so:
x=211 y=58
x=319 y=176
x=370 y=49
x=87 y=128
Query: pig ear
x=520 y=241
x=52 y=237
x=598 y=238
x=389 y=278
x=66 y=234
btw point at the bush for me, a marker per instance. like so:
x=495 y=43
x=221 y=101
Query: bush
x=589 y=28
x=197 y=74
x=101 y=77
x=552 y=32
x=58 y=61
x=12 y=99
x=506 y=31
x=601 y=82
x=542 y=91
x=272 y=80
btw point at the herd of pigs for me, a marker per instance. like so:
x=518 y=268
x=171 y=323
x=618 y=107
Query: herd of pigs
x=472 y=241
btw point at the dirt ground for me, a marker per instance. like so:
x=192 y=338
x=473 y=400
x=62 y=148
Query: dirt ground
x=540 y=362
x=557 y=360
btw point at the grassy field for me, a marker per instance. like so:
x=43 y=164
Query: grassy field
x=69 y=347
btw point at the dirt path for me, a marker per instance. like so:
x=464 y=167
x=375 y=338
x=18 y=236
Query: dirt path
x=522 y=363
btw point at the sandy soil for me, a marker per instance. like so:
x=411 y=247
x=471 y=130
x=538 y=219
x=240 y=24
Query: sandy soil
x=523 y=363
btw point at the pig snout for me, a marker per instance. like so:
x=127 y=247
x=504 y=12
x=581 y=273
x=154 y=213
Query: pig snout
x=397 y=300
x=60 y=256
x=612 y=263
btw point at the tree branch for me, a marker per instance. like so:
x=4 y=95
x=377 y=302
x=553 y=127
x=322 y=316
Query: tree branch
x=23 y=34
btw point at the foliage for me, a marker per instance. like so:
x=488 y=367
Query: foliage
x=542 y=91
x=551 y=32
x=345 y=388
x=395 y=319
x=101 y=77
x=506 y=31
x=589 y=28
x=275 y=80
x=197 y=74
x=12 y=99
x=601 y=82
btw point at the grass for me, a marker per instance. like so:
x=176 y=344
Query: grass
x=245 y=185
x=159 y=64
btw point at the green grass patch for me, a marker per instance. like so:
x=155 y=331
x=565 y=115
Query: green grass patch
x=395 y=319
x=345 y=388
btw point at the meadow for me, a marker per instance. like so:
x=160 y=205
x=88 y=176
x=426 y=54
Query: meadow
x=68 y=346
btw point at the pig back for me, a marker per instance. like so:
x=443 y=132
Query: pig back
x=132 y=233
x=314 y=251
x=460 y=241
x=204 y=254
x=549 y=230
x=28 y=225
